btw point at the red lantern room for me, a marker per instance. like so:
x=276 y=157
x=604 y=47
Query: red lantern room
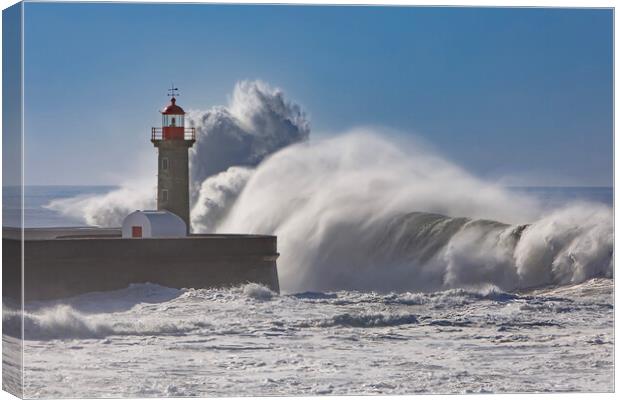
x=173 y=123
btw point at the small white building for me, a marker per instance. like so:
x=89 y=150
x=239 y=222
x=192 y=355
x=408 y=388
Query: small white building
x=153 y=224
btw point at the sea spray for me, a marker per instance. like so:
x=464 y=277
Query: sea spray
x=359 y=212
x=216 y=196
x=110 y=209
x=258 y=121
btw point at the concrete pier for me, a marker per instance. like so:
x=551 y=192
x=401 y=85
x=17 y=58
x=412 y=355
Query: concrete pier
x=63 y=262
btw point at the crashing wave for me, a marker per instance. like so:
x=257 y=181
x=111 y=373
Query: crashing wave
x=342 y=211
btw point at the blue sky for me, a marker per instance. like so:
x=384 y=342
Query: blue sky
x=525 y=93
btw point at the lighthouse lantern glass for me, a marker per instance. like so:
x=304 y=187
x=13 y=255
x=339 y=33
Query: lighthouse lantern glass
x=169 y=120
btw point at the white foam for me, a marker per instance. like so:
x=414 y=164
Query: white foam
x=257 y=291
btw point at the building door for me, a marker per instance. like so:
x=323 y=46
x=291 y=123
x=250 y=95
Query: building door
x=136 y=231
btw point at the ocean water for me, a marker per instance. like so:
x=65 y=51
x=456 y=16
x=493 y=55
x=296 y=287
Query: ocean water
x=36 y=198
x=148 y=341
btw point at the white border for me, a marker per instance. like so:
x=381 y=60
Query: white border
x=477 y=3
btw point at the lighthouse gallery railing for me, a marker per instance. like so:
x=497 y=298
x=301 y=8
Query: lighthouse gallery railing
x=188 y=134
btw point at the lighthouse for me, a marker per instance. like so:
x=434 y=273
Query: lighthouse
x=173 y=141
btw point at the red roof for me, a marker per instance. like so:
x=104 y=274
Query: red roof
x=172 y=108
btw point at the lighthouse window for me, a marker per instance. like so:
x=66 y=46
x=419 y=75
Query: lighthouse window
x=164 y=163
x=173 y=120
x=164 y=195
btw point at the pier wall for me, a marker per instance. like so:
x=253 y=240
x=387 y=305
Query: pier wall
x=67 y=266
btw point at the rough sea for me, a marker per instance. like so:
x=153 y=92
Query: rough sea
x=147 y=340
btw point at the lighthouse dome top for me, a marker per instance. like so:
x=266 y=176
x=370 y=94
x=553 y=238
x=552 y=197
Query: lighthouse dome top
x=172 y=108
